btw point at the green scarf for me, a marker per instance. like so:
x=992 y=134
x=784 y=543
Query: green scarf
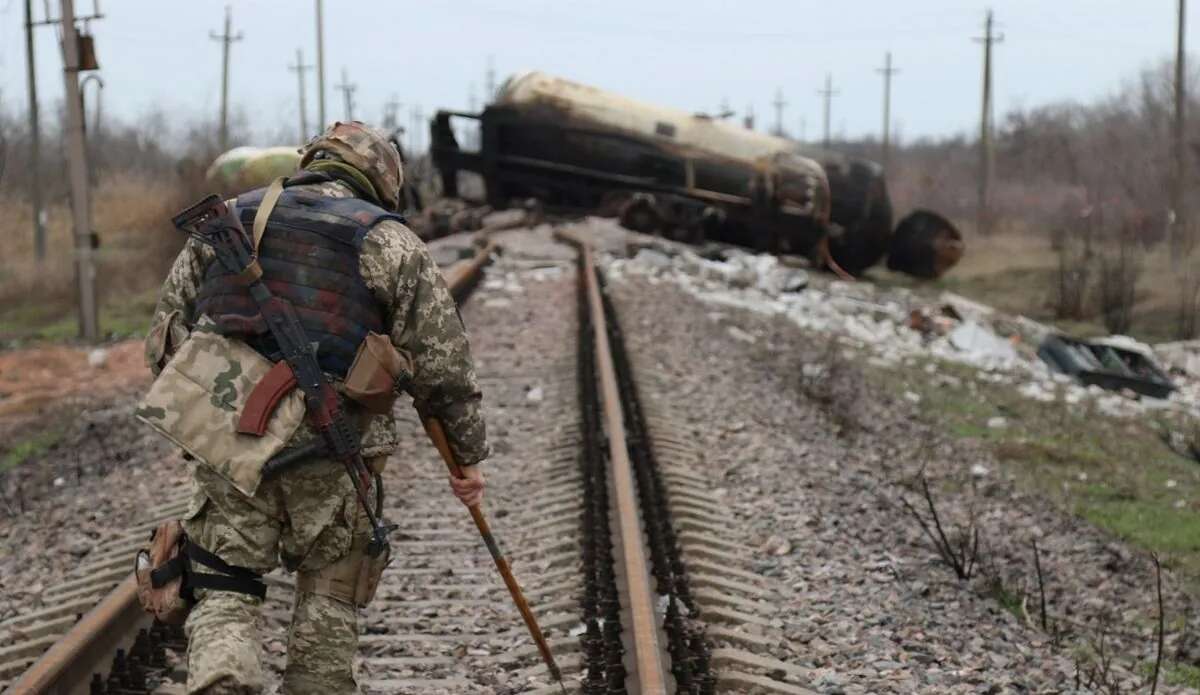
x=347 y=174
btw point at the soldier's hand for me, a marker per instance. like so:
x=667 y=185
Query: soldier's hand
x=469 y=488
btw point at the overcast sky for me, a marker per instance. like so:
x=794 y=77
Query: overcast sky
x=690 y=54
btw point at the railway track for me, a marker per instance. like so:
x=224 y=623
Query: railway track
x=620 y=544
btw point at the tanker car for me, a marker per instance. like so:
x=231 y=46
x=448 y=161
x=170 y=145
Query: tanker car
x=576 y=147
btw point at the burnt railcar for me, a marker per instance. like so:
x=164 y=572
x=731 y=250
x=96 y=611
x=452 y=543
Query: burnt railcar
x=666 y=171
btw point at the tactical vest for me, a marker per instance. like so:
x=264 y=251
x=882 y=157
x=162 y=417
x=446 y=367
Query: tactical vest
x=309 y=256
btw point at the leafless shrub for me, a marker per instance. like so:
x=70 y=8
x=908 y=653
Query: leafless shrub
x=1162 y=625
x=837 y=385
x=1094 y=670
x=1072 y=242
x=1187 y=317
x=1120 y=270
x=959 y=549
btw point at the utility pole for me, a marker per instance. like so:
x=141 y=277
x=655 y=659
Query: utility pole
x=85 y=240
x=347 y=90
x=35 y=144
x=300 y=68
x=391 y=112
x=1180 y=178
x=322 y=124
x=985 y=128
x=748 y=121
x=779 y=103
x=887 y=71
x=490 y=95
x=827 y=94
x=226 y=40
x=416 y=115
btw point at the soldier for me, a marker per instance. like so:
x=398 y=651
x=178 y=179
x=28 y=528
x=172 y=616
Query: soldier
x=335 y=249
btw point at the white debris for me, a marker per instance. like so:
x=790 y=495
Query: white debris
x=652 y=258
x=1171 y=484
x=982 y=344
x=60 y=481
x=535 y=395
x=979 y=470
x=912 y=397
x=738 y=334
x=97 y=358
x=874 y=323
x=997 y=423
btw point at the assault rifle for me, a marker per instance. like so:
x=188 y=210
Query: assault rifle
x=212 y=223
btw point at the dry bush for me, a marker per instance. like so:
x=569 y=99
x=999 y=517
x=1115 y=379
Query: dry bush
x=1120 y=266
x=131 y=214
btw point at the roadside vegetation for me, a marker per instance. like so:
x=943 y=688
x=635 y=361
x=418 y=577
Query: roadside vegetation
x=1115 y=472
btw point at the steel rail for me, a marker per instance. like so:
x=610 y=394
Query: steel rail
x=86 y=651
x=649 y=672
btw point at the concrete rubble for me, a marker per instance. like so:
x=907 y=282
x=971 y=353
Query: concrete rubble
x=897 y=325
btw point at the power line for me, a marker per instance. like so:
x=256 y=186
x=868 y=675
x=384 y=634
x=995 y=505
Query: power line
x=985 y=126
x=827 y=94
x=227 y=39
x=887 y=71
x=300 y=68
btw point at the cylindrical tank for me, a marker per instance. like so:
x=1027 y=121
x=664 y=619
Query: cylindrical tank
x=245 y=168
x=854 y=203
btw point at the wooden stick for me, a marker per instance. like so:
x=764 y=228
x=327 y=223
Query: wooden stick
x=438 y=435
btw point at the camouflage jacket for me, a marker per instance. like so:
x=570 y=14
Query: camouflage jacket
x=420 y=315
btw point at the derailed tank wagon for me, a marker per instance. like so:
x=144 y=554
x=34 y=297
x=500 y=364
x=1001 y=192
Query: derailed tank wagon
x=665 y=171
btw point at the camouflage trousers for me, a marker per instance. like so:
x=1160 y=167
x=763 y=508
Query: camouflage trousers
x=307 y=520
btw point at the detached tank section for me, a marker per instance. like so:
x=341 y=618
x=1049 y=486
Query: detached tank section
x=663 y=170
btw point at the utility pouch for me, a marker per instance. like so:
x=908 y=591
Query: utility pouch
x=197 y=401
x=160 y=569
x=377 y=370
x=370 y=571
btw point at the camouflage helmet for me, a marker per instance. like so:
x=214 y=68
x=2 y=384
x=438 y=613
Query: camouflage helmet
x=366 y=149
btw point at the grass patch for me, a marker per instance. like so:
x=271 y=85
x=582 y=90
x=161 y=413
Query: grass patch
x=1115 y=473
x=120 y=317
x=1182 y=674
x=31 y=448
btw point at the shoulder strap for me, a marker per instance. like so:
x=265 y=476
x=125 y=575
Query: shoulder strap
x=264 y=209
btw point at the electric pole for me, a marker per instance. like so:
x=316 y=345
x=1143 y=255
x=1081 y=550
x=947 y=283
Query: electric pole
x=391 y=112
x=347 y=90
x=985 y=128
x=779 y=103
x=1180 y=177
x=35 y=145
x=300 y=68
x=416 y=115
x=490 y=95
x=85 y=240
x=320 y=70
x=887 y=71
x=748 y=121
x=227 y=39
x=827 y=94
